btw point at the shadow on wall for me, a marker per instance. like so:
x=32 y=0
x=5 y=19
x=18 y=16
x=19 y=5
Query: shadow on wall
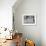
x=27 y=7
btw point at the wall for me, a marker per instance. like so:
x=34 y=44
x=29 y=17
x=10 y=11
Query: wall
x=6 y=13
x=29 y=32
x=43 y=22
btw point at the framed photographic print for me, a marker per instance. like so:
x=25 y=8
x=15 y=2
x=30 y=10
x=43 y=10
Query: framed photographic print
x=29 y=19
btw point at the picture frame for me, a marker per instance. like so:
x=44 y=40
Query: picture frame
x=29 y=19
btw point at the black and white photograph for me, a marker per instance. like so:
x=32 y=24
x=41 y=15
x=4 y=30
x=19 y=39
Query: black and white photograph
x=29 y=19
x=22 y=22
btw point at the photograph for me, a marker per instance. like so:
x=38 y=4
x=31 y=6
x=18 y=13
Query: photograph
x=22 y=22
x=29 y=19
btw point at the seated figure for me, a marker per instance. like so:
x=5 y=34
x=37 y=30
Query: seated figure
x=18 y=39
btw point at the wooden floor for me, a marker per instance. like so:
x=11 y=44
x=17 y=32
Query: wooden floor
x=9 y=43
